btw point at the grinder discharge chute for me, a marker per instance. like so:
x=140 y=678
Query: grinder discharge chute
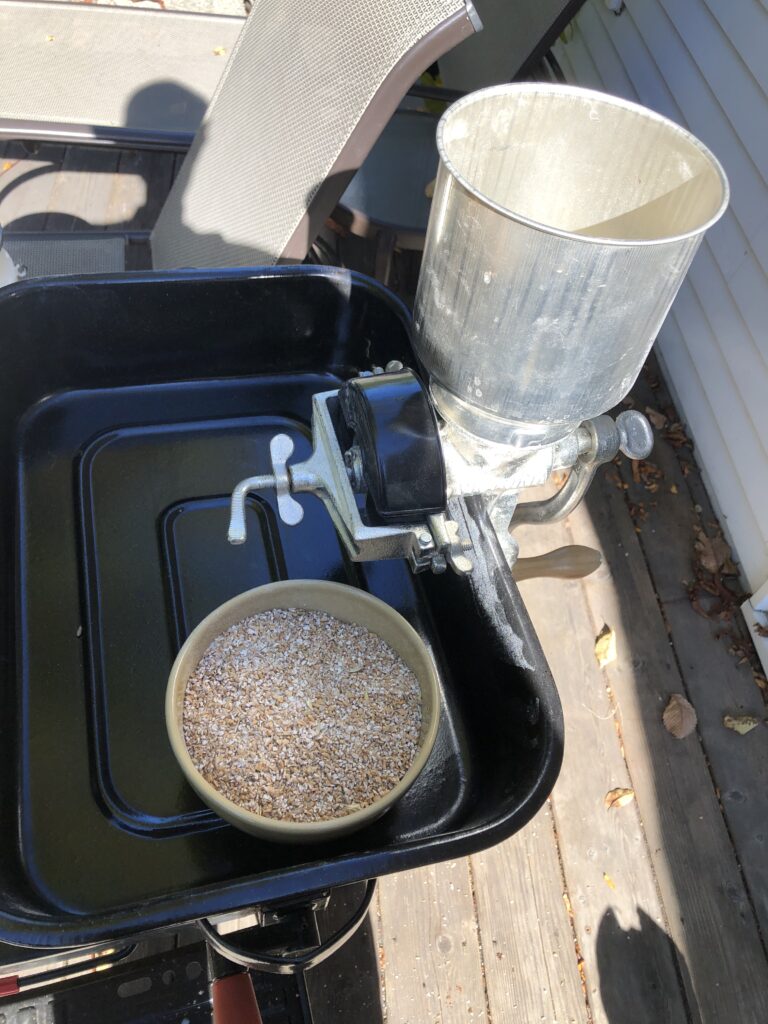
x=562 y=225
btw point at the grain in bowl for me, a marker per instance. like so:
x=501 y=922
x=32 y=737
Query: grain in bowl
x=371 y=712
x=295 y=715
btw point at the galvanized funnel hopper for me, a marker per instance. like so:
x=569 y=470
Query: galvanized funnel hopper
x=563 y=223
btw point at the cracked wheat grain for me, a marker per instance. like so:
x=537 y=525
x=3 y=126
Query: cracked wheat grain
x=299 y=716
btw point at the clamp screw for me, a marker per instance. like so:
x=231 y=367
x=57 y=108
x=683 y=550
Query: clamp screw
x=635 y=434
x=424 y=537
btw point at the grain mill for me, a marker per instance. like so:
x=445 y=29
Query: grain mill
x=562 y=225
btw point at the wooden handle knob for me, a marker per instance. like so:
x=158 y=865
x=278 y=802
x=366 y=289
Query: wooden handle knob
x=568 y=563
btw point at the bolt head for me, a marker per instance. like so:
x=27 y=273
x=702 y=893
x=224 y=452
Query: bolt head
x=635 y=434
x=424 y=537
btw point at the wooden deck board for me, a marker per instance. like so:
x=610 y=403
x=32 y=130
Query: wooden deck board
x=431 y=956
x=69 y=188
x=82 y=190
x=26 y=184
x=607 y=866
x=714 y=681
x=140 y=187
x=530 y=959
x=709 y=913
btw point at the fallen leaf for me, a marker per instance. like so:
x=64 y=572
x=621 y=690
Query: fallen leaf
x=658 y=419
x=707 y=558
x=648 y=474
x=760 y=629
x=760 y=681
x=605 y=646
x=713 y=553
x=679 y=716
x=618 y=798
x=219 y=51
x=729 y=567
x=677 y=436
x=609 y=881
x=673 y=488
x=742 y=724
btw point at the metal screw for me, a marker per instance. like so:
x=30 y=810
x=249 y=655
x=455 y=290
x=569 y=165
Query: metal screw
x=424 y=537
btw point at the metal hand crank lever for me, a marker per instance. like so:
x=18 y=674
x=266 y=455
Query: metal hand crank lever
x=290 y=511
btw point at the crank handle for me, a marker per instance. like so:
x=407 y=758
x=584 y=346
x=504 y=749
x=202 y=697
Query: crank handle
x=569 y=563
x=237 y=531
x=289 y=510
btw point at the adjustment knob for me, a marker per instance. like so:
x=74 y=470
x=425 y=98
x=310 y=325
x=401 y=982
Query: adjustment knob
x=635 y=434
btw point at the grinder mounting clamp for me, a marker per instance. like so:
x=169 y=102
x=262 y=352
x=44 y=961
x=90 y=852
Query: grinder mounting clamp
x=377 y=465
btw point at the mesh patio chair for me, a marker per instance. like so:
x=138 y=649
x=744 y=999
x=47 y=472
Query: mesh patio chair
x=307 y=89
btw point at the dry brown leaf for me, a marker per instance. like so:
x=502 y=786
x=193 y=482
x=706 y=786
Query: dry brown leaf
x=658 y=419
x=713 y=553
x=609 y=881
x=618 y=798
x=742 y=724
x=605 y=646
x=648 y=474
x=760 y=629
x=729 y=568
x=673 y=489
x=679 y=716
x=705 y=551
x=677 y=436
x=638 y=511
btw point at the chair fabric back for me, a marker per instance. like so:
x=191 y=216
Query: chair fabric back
x=307 y=90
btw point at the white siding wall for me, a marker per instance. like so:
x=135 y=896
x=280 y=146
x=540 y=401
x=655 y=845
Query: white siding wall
x=704 y=63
